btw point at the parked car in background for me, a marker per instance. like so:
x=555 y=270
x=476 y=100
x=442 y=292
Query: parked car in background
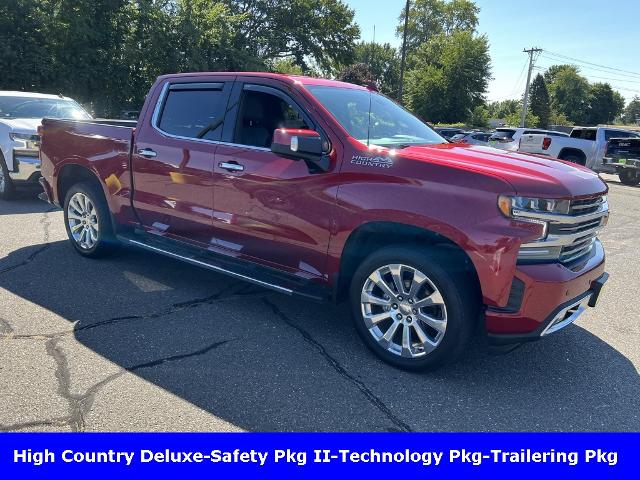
x=448 y=132
x=20 y=115
x=129 y=114
x=331 y=191
x=472 y=138
x=507 y=138
x=585 y=146
x=623 y=154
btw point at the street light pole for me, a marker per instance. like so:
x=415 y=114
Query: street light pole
x=404 y=52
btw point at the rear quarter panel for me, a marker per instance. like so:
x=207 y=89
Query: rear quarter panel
x=102 y=149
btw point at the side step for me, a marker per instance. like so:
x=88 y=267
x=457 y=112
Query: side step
x=242 y=270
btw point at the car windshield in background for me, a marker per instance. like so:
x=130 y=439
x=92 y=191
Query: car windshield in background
x=373 y=119
x=29 y=107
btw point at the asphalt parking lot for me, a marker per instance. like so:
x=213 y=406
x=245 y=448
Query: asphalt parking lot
x=142 y=342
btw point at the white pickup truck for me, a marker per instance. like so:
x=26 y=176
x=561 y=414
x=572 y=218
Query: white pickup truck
x=21 y=114
x=585 y=146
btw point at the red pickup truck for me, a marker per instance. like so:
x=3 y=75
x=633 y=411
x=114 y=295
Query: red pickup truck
x=332 y=191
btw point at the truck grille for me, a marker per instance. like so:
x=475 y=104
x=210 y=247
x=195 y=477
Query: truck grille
x=572 y=235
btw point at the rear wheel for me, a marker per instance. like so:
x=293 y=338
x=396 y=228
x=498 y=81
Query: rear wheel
x=7 y=188
x=411 y=309
x=88 y=221
x=629 y=177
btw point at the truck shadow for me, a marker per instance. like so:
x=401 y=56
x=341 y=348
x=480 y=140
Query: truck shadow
x=264 y=361
x=25 y=201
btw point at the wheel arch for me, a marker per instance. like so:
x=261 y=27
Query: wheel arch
x=374 y=235
x=71 y=174
x=567 y=151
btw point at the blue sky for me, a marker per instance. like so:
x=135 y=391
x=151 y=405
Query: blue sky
x=603 y=33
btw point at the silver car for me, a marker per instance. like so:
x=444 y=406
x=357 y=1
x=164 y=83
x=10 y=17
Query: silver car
x=472 y=138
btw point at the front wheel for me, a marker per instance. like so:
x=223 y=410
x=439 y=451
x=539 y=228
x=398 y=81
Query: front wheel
x=629 y=177
x=7 y=189
x=413 y=309
x=88 y=222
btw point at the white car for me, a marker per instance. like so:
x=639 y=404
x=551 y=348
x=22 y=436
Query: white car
x=507 y=138
x=20 y=115
x=586 y=146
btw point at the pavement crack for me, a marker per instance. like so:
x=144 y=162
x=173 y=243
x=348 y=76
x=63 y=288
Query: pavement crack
x=5 y=327
x=63 y=375
x=174 y=308
x=45 y=222
x=340 y=369
x=54 y=422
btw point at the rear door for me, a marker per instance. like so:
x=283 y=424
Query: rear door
x=173 y=158
x=269 y=208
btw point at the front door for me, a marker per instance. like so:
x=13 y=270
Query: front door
x=269 y=208
x=173 y=159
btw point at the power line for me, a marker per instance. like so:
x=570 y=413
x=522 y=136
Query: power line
x=590 y=63
x=583 y=67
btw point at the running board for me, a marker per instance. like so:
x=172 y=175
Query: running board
x=241 y=270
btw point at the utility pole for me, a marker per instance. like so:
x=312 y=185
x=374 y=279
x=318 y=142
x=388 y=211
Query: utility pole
x=525 y=100
x=404 y=52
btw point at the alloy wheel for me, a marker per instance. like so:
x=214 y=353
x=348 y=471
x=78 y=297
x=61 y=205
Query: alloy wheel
x=403 y=310
x=82 y=218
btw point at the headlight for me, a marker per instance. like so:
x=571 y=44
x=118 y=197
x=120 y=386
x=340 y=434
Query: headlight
x=31 y=140
x=514 y=207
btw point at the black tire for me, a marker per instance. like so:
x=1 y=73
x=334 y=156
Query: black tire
x=458 y=289
x=7 y=189
x=629 y=177
x=573 y=159
x=106 y=243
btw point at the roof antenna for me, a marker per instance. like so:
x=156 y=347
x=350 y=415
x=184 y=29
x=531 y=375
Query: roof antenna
x=60 y=95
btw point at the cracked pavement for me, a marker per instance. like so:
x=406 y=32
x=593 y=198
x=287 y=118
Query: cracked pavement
x=139 y=342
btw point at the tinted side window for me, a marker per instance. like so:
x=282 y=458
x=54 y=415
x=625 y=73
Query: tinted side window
x=195 y=113
x=261 y=114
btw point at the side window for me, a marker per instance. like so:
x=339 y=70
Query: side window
x=260 y=114
x=194 y=111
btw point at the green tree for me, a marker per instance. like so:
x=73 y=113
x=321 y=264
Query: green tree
x=632 y=112
x=383 y=62
x=558 y=119
x=479 y=117
x=450 y=76
x=430 y=18
x=504 y=108
x=318 y=33
x=513 y=119
x=569 y=92
x=603 y=107
x=358 y=73
x=539 y=101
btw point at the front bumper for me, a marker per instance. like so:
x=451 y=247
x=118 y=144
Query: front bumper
x=26 y=166
x=551 y=296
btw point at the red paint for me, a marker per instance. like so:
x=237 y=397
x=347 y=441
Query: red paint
x=276 y=212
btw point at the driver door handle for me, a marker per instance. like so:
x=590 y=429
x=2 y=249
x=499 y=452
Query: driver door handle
x=147 y=152
x=231 y=166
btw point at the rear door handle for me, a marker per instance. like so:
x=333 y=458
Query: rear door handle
x=231 y=166
x=147 y=152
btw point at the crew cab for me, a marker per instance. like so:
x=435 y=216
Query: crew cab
x=20 y=116
x=585 y=146
x=333 y=192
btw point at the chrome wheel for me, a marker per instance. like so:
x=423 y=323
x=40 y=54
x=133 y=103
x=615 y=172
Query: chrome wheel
x=82 y=218
x=403 y=310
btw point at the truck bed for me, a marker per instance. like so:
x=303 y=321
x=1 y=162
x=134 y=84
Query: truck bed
x=102 y=147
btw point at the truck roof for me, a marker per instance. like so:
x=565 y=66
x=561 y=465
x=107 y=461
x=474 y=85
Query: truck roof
x=293 y=79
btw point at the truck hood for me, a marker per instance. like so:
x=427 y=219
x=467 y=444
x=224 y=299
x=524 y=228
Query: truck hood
x=529 y=175
x=23 y=125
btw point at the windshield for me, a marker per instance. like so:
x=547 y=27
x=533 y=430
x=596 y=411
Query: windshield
x=30 y=107
x=373 y=119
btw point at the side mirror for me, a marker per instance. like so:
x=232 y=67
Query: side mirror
x=299 y=144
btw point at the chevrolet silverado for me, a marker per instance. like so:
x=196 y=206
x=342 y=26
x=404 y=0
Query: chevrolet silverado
x=333 y=192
